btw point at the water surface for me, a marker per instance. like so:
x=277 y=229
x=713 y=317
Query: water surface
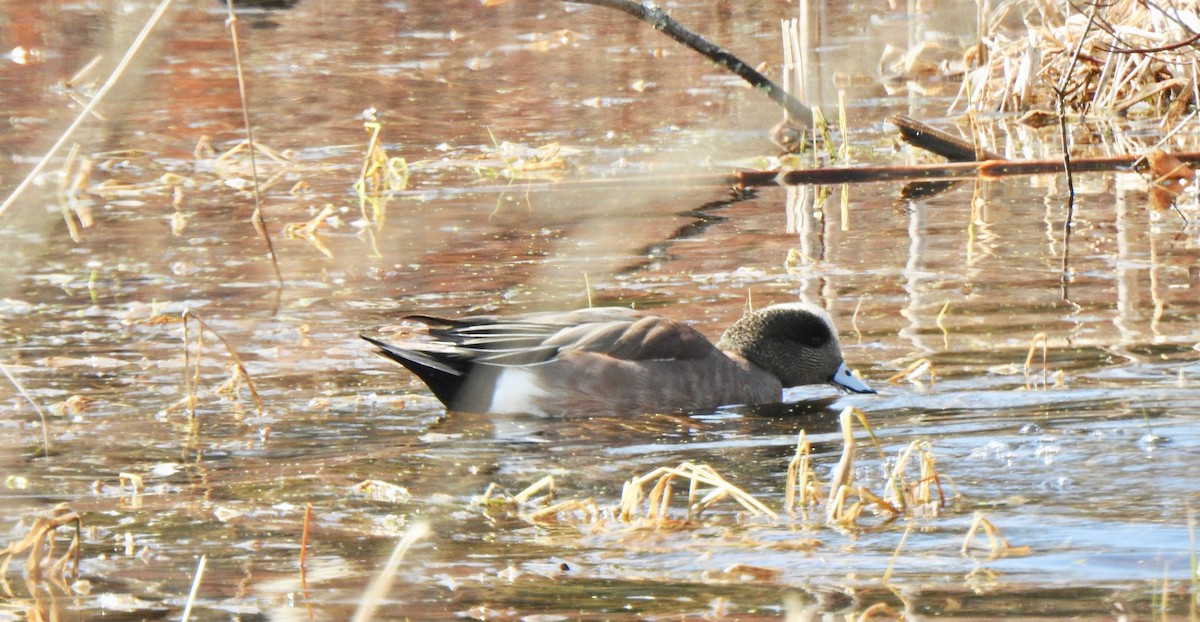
x=1088 y=464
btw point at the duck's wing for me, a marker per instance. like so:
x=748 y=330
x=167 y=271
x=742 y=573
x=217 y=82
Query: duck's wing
x=508 y=340
x=645 y=338
x=539 y=337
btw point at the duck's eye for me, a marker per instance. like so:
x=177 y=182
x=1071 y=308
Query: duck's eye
x=814 y=340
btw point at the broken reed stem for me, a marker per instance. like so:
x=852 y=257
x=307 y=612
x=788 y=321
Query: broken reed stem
x=257 y=218
x=370 y=160
x=843 y=473
x=40 y=412
x=379 y=586
x=193 y=380
x=187 y=608
x=662 y=22
x=1045 y=356
x=524 y=496
x=90 y=108
x=632 y=493
x=1194 y=574
x=304 y=536
x=187 y=314
x=914 y=369
x=40 y=544
x=799 y=472
x=1060 y=92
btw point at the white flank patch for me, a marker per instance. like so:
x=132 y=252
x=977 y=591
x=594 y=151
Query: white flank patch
x=517 y=392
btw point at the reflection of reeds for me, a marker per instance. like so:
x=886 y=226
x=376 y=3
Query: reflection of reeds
x=91 y=106
x=72 y=183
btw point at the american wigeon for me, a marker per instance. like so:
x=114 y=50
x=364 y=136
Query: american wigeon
x=617 y=360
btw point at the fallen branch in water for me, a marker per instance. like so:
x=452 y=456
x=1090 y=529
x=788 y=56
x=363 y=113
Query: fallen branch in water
x=990 y=169
x=936 y=141
x=663 y=23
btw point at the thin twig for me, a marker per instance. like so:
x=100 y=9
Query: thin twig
x=116 y=74
x=662 y=22
x=24 y=394
x=257 y=218
x=1061 y=97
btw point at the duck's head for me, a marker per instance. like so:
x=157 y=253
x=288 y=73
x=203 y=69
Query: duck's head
x=796 y=342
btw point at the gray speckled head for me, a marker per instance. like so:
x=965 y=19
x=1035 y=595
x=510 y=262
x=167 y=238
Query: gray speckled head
x=796 y=342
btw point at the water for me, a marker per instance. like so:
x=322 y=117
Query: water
x=1089 y=466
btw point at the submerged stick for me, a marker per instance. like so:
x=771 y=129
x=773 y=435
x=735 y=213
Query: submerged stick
x=662 y=22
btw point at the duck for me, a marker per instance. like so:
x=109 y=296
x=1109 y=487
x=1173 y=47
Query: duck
x=617 y=360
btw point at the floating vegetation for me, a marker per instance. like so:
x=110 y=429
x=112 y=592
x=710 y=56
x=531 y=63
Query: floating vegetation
x=382 y=491
x=235 y=166
x=327 y=218
x=41 y=562
x=913 y=372
x=997 y=545
x=657 y=502
x=522 y=162
x=380 y=174
x=649 y=501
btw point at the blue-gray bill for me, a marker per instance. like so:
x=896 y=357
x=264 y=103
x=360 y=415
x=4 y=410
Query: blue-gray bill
x=843 y=379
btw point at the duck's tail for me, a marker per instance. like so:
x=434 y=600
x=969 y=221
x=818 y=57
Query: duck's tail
x=443 y=373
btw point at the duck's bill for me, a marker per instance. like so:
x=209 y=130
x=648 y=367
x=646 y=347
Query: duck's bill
x=846 y=380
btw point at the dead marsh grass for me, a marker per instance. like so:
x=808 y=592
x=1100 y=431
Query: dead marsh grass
x=1120 y=58
x=684 y=500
